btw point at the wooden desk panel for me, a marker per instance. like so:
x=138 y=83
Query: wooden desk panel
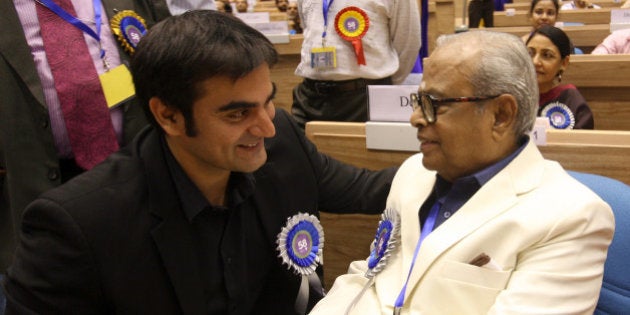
x=600 y=152
x=521 y=18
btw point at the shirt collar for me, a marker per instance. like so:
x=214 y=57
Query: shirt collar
x=240 y=187
x=467 y=186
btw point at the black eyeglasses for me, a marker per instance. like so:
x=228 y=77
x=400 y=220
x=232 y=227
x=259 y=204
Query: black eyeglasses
x=429 y=103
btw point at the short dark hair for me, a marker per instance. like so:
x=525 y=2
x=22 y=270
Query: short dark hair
x=179 y=53
x=557 y=36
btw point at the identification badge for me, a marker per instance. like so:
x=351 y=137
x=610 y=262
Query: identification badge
x=323 y=57
x=117 y=85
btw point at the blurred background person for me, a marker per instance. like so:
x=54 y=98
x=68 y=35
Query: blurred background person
x=223 y=6
x=293 y=17
x=337 y=72
x=618 y=42
x=542 y=12
x=566 y=108
x=282 y=5
x=37 y=98
x=480 y=10
x=242 y=6
x=579 y=4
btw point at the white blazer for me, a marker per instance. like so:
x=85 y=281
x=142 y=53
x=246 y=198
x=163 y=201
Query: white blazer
x=547 y=235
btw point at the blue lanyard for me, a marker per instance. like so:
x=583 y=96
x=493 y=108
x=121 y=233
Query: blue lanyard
x=78 y=24
x=326 y=6
x=427 y=228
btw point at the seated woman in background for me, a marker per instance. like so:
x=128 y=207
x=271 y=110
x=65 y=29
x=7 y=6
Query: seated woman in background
x=542 y=12
x=563 y=104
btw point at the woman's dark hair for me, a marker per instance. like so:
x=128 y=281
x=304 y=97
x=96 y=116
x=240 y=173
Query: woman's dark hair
x=557 y=36
x=556 y=4
x=178 y=54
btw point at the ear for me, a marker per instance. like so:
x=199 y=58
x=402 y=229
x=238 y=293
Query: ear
x=505 y=109
x=168 y=117
x=565 y=63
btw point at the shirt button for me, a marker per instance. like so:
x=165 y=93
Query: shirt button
x=44 y=123
x=447 y=214
x=53 y=174
x=228 y=260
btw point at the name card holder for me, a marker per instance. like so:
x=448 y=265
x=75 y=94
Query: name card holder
x=390 y=102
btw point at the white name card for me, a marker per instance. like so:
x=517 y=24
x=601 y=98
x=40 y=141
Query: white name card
x=539 y=133
x=390 y=102
x=277 y=31
x=392 y=136
x=618 y=16
x=619 y=19
x=253 y=17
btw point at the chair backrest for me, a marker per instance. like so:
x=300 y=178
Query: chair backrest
x=615 y=294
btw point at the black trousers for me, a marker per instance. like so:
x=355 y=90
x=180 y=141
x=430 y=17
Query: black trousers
x=478 y=9
x=333 y=100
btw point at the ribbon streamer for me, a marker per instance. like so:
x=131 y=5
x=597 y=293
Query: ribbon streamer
x=300 y=244
x=384 y=244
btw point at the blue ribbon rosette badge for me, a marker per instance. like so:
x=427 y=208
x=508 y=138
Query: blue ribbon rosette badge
x=385 y=240
x=129 y=28
x=560 y=116
x=301 y=244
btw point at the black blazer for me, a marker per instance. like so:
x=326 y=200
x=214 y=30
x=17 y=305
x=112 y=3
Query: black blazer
x=115 y=240
x=27 y=149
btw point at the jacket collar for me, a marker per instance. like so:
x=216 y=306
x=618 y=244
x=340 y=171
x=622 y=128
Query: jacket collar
x=522 y=175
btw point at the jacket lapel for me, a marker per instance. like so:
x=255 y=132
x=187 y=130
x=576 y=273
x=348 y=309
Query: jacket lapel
x=172 y=235
x=493 y=199
x=15 y=49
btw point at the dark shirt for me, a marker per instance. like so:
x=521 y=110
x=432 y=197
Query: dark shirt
x=454 y=195
x=229 y=239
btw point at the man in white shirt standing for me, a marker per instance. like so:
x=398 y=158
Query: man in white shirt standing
x=349 y=44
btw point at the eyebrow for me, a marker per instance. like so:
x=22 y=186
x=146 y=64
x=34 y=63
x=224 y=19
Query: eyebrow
x=243 y=104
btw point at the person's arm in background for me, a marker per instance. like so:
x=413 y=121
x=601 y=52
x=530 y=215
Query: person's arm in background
x=404 y=31
x=616 y=43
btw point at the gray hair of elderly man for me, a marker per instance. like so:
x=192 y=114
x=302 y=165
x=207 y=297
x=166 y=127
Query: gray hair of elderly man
x=504 y=67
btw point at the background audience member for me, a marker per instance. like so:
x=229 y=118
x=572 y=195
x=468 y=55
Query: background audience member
x=38 y=148
x=282 y=5
x=542 y=12
x=223 y=6
x=618 y=42
x=242 y=6
x=579 y=4
x=337 y=70
x=480 y=10
x=295 y=25
x=550 y=49
x=487 y=225
x=187 y=219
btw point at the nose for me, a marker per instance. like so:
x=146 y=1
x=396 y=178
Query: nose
x=417 y=119
x=263 y=125
x=536 y=60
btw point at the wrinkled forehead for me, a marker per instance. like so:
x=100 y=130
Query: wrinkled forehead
x=450 y=65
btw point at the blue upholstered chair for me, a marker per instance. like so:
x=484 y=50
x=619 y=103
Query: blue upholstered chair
x=615 y=295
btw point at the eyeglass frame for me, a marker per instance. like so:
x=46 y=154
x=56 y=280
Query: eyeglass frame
x=431 y=117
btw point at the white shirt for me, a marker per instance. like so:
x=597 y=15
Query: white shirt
x=391 y=43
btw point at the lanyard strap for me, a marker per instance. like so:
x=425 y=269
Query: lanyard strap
x=76 y=22
x=325 y=7
x=427 y=228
